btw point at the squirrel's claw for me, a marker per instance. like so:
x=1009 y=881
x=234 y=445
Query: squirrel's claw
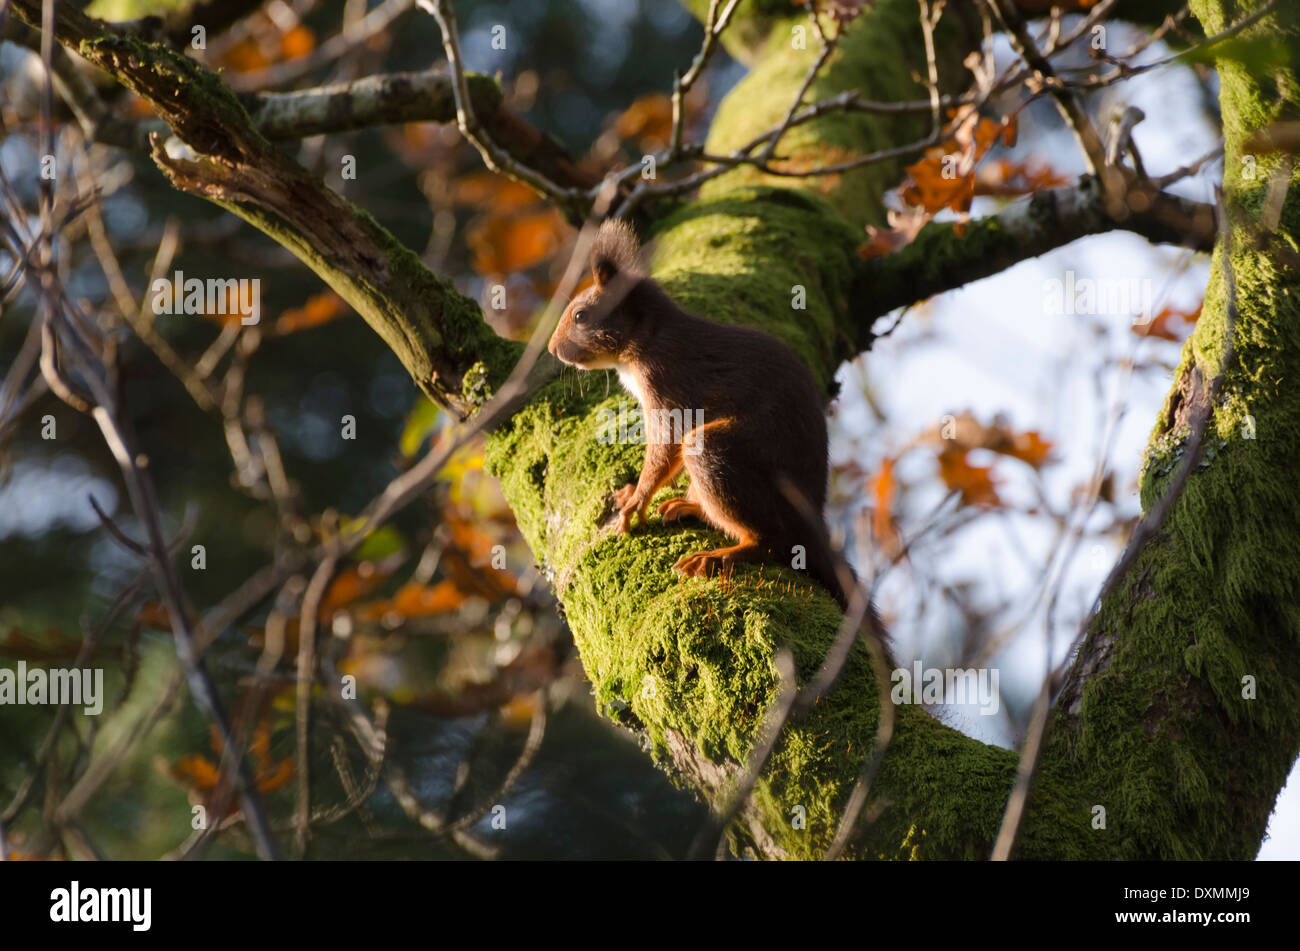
x=701 y=564
x=629 y=508
x=628 y=515
x=676 y=509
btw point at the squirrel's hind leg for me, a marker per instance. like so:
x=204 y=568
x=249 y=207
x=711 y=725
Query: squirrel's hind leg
x=704 y=564
x=674 y=510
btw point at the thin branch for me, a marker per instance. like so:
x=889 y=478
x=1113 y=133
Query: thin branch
x=307 y=621
x=714 y=25
x=828 y=47
x=1067 y=103
x=570 y=200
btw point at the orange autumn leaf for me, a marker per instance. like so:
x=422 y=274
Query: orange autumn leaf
x=649 y=120
x=469 y=538
x=415 y=139
x=318 y=309
x=245 y=57
x=469 y=561
x=200 y=775
x=415 y=600
x=349 y=586
x=519 y=709
x=1164 y=325
x=963 y=432
x=1007 y=179
x=195 y=771
x=1029 y=447
x=975 y=483
x=902 y=231
x=270 y=775
x=260 y=744
x=275 y=777
x=497 y=192
x=883 y=489
x=226 y=305
x=880 y=241
x=299 y=41
x=509 y=245
x=934 y=186
x=945 y=177
x=988 y=131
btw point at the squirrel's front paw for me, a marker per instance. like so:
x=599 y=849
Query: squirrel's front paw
x=630 y=507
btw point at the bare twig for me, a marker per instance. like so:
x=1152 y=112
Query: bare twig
x=714 y=25
x=828 y=47
x=571 y=200
x=1067 y=102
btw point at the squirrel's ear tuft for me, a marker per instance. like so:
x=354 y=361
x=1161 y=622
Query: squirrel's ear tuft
x=614 y=252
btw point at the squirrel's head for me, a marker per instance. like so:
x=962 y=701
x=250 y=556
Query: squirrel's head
x=597 y=324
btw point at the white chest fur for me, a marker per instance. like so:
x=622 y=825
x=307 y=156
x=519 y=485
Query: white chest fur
x=630 y=383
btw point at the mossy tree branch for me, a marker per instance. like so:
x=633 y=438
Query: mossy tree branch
x=439 y=335
x=944 y=257
x=426 y=96
x=691 y=665
x=1183 y=708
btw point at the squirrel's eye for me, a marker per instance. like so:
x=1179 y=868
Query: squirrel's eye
x=580 y=316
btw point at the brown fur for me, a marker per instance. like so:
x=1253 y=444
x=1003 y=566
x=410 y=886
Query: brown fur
x=763 y=433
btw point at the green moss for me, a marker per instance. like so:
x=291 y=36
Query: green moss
x=751 y=23
x=695 y=658
x=205 y=112
x=135 y=9
x=878 y=55
x=742 y=258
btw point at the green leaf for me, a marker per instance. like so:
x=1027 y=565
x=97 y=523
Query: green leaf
x=422 y=420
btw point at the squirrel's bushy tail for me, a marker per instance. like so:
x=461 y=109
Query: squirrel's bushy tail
x=822 y=567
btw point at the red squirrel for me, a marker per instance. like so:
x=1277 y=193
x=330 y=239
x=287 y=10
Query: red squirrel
x=733 y=405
